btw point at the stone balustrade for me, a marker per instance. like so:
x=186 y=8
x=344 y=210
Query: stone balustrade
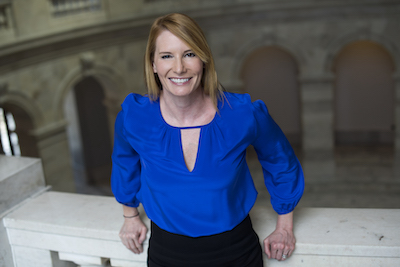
x=55 y=227
x=40 y=228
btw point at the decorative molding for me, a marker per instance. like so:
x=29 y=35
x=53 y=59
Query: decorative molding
x=50 y=129
x=87 y=60
x=61 y=8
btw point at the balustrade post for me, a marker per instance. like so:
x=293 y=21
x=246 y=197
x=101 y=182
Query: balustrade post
x=84 y=260
x=31 y=257
x=52 y=142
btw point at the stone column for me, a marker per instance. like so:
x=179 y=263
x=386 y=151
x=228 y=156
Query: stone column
x=52 y=142
x=396 y=162
x=317 y=128
x=113 y=107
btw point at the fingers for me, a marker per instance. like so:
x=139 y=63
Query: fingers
x=133 y=245
x=133 y=234
x=267 y=248
x=278 y=250
x=131 y=242
x=142 y=236
x=138 y=248
x=286 y=254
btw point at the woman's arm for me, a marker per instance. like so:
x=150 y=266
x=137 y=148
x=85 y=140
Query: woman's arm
x=282 y=240
x=133 y=231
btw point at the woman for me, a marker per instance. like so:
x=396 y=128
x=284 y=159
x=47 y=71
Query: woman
x=180 y=151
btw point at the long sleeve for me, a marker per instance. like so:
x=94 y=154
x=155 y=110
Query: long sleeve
x=126 y=169
x=283 y=174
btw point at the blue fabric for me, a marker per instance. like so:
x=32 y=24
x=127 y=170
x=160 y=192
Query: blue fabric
x=149 y=167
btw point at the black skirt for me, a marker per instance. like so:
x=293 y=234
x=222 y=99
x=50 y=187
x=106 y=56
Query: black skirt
x=239 y=247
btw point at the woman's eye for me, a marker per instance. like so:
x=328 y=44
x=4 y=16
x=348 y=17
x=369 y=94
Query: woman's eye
x=166 y=56
x=190 y=55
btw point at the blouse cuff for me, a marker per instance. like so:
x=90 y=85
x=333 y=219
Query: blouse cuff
x=284 y=208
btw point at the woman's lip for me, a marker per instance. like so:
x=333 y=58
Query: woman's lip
x=179 y=80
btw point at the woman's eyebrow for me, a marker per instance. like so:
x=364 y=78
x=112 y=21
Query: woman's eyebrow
x=166 y=52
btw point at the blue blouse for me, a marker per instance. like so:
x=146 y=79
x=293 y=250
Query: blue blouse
x=149 y=166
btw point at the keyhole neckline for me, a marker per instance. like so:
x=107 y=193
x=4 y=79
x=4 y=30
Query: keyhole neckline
x=185 y=127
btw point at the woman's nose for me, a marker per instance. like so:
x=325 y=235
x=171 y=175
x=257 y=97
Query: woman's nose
x=179 y=66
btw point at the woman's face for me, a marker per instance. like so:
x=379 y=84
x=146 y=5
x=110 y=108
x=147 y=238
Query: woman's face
x=178 y=68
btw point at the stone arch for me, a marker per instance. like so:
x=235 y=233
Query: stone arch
x=25 y=103
x=270 y=73
x=28 y=118
x=108 y=77
x=337 y=45
x=111 y=83
x=364 y=70
x=262 y=41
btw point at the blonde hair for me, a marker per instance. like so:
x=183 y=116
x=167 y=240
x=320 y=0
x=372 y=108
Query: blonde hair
x=185 y=28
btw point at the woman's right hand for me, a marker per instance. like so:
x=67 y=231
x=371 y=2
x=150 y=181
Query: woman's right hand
x=133 y=233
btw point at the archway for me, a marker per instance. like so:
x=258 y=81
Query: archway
x=270 y=74
x=88 y=133
x=364 y=112
x=364 y=95
x=15 y=129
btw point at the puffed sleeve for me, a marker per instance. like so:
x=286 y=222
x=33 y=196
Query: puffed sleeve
x=125 y=175
x=283 y=174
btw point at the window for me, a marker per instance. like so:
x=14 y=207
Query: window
x=9 y=138
x=70 y=7
x=4 y=16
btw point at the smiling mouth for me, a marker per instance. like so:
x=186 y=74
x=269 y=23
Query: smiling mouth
x=175 y=80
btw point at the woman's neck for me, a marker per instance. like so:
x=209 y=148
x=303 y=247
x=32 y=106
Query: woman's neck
x=186 y=111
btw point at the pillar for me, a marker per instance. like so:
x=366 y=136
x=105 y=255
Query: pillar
x=317 y=128
x=52 y=143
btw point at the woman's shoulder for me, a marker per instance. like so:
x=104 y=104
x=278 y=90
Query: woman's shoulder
x=236 y=100
x=243 y=100
x=136 y=99
x=137 y=103
x=236 y=107
x=138 y=108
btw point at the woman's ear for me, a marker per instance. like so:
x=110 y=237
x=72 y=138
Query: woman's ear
x=154 y=68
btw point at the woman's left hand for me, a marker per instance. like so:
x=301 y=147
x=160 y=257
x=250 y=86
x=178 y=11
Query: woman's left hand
x=280 y=244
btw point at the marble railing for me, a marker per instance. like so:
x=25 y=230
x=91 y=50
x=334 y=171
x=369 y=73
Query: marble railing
x=55 y=228
x=40 y=228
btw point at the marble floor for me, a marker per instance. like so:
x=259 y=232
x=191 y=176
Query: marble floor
x=364 y=178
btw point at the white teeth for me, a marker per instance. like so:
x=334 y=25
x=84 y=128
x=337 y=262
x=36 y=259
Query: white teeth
x=179 y=80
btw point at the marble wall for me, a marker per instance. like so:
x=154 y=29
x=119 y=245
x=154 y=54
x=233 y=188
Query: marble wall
x=45 y=56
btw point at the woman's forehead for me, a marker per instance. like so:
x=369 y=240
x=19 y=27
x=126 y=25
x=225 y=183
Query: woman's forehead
x=167 y=41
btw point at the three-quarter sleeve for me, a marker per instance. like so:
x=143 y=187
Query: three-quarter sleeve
x=282 y=171
x=126 y=169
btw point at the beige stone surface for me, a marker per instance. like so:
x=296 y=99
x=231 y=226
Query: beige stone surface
x=88 y=226
x=49 y=56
